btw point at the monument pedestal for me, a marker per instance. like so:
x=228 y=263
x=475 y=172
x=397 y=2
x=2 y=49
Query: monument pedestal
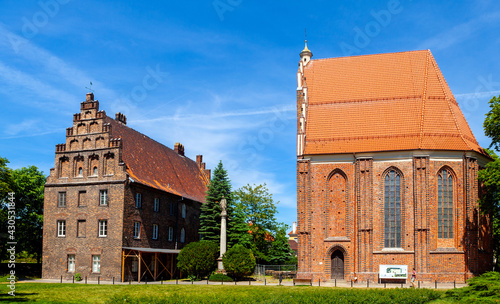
x=220 y=266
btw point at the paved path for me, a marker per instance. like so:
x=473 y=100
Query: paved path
x=344 y=284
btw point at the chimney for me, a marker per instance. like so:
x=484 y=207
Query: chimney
x=179 y=149
x=199 y=160
x=294 y=228
x=90 y=96
x=121 y=118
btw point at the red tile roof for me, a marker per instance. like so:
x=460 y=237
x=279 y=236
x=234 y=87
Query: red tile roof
x=293 y=245
x=151 y=163
x=383 y=102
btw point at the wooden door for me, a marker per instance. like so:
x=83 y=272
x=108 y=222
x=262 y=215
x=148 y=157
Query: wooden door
x=337 y=265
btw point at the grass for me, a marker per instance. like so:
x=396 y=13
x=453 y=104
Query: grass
x=71 y=293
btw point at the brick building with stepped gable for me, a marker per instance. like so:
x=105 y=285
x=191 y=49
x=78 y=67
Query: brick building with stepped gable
x=117 y=203
x=386 y=171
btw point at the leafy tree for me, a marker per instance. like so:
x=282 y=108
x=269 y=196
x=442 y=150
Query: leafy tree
x=280 y=252
x=198 y=259
x=490 y=176
x=210 y=219
x=5 y=175
x=28 y=187
x=257 y=205
x=239 y=261
x=268 y=239
x=491 y=123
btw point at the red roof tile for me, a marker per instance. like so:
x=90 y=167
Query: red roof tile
x=151 y=163
x=384 y=102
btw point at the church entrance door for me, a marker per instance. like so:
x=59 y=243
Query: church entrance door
x=337 y=265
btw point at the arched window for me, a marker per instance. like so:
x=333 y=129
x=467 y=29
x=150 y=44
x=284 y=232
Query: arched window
x=95 y=171
x=80 y=171
x=445 y=205
x=392 y=210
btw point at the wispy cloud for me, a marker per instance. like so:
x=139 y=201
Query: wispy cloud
x=459 y=32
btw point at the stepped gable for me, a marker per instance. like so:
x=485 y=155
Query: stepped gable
x=383 y=102
x=155 y=165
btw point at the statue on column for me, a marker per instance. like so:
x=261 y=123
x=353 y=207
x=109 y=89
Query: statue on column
x=223 y=241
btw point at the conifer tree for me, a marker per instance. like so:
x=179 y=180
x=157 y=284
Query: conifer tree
x=210 y=211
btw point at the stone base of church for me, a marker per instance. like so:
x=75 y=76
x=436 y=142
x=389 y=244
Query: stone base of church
x=442 y=277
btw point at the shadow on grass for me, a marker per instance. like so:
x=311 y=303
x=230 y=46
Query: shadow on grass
x=19 y=297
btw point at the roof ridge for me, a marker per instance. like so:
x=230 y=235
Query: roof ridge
x=366 y=55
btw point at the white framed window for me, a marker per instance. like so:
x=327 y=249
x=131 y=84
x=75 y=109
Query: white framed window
x=103 y=228
x=71 y=263
x=103 y=197
x=170 y=234
x=138 y=200
x=61 y=202
x=137 y=230
x=183 y=235
x=156 y=205
x=183 y=209
x=61 y=228
x=155 y=232
x=96 y=263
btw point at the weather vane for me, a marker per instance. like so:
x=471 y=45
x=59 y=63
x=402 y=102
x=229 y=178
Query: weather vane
x=90 y=89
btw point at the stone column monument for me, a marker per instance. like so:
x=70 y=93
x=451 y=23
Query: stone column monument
x=223 y=241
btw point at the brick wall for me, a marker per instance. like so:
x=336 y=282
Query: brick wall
x=340 y=206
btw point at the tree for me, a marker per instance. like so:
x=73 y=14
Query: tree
x=491 y=123
x=210 y=219
x=268 y=239
x=210 y=211
x=27 y=184
x=198 y=259
x=5 y=176
x=490 y=176
x=257 y=205
x=280 y=252
x=239 y=261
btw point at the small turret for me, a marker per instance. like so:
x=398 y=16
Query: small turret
x=305 y=55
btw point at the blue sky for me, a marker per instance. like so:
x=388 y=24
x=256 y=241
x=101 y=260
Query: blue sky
x=218 y=76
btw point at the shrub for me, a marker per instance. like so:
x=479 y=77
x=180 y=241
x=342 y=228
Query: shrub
x=239 y=261
x=78 y=277
x=482 y=289
x=198 y=259
x=218 y=277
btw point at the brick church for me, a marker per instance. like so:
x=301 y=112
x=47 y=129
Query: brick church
x=117 y=203
x=386 y=171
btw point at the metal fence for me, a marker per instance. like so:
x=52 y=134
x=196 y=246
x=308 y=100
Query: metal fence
x=274 y=270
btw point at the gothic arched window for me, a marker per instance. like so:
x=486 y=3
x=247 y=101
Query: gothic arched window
x=392 y=210
x=445 y=205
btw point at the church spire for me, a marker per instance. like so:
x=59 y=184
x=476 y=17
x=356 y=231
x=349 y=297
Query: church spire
x=306 y=54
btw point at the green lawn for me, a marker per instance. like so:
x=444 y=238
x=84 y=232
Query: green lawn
x=72 y=293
